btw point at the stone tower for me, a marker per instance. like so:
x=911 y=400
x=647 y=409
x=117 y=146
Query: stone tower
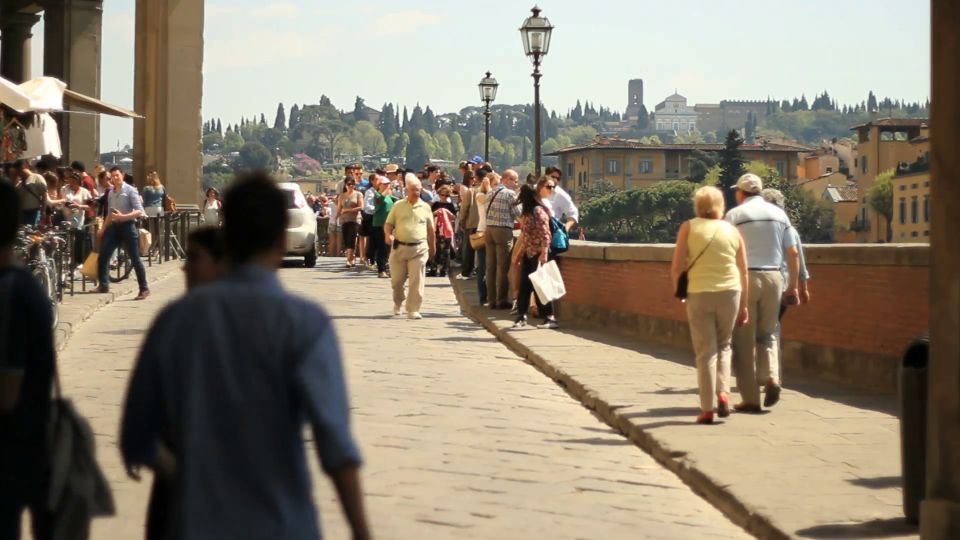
x=634 y=98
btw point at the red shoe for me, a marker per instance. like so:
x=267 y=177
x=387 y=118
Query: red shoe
x=723 y=406
x=706 y=417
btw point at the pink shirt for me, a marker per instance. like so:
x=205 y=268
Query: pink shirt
x=536 y=232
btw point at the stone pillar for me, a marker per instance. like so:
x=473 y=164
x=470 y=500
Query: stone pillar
x=16 y=32
x=168 y=91
x=72 y=51
x=940 y=511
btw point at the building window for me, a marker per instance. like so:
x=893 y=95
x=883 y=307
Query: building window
x=903 y=211
x=903 y=187
x=913 y=186
x=914 y=234
x=782 y=169
x=926 y=233
x=829 y=169
x=693 y=126
x=676 y=126
x=569 y=170
x=914 y=217
x=863 y=165
x=926 y=184
x=613 y=166
x=926 y=209
x=646 y=166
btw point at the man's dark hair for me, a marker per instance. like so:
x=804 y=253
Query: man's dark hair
x=43 y=166
x=210 y=239
x=432 y=169
x=21 y=164
x=9 y=214
x=254 y=216
x=551 y=170
x=78 y=166
x=486 y=168
x=115 y=168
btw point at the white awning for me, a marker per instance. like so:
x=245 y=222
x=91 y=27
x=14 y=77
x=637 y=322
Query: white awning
x=47 y=94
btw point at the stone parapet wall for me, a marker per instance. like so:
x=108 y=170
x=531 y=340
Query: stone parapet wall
x=867 y=303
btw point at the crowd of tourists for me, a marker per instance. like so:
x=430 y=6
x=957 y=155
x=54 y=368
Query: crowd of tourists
x=738 y=272
x=410 y=224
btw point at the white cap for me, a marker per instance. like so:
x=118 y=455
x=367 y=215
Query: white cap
x=750 y=183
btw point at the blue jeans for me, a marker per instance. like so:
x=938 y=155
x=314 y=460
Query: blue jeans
x=30 y=217
x=481 y=273
x=127 y=233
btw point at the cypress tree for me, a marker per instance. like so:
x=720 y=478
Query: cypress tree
x=280 y=122
x=731 y=166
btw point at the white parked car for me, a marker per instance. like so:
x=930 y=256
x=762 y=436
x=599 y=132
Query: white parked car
x=302 y=226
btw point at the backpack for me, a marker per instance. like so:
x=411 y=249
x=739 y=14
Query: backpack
x=169 y=203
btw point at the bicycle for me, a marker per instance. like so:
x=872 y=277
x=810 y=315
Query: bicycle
x=41 y=252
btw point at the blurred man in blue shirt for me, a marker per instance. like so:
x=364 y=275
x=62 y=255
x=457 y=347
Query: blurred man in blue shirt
x=228 y=393
x=121 y=226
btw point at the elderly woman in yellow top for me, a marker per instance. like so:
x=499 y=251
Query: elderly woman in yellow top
x=713 y=254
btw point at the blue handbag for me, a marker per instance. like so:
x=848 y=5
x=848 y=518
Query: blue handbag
x=559 y=238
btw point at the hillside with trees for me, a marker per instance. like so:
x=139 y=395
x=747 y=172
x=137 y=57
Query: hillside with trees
x=314 y=140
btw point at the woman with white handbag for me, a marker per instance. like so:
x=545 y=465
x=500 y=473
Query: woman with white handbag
x=532 y=251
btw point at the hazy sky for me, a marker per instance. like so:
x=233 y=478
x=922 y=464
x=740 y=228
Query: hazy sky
x=435 y=52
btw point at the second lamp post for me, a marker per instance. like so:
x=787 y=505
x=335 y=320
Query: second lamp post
x=488 y=92
x=536 y=31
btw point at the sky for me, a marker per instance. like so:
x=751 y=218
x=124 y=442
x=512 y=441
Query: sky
x=434 y=52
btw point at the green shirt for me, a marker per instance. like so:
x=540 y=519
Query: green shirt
x=383 y=206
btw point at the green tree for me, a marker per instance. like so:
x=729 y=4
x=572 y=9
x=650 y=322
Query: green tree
x=369 y=138
x=731 y=166
x=416 y=153
x=457 y=151
x=232 y=142
x=594 y=190
x=359 y=110
x=700 y=164
x=280 y=122
x=880 y=198
x=212 y=141
x=330 y=131
x=579 y=134
x=254 y=156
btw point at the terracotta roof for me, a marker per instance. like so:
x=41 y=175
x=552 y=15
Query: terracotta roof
x=847 y=193
x=633 y=144
x=895 y=122
x=920 y=139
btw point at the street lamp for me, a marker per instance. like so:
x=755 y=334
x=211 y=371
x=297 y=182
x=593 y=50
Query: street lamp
x=488 y=92
x=536 y=31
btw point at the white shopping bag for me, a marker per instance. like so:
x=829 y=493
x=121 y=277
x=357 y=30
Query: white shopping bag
x=547 y=282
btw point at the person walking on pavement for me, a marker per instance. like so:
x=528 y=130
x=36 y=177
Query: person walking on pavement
x=766 y=231
x=468 y=220
x=234 y=407
x=384 y=202
x=349 y=205
x=121 y=226
x=713 y=254
x=27 y=363
x=409 y=228
x=502 y=212
x=532 y=251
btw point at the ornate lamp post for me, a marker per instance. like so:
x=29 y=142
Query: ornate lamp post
x=536 y=31
x=488 y=92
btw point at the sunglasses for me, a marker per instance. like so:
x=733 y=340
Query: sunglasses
x=550 y=186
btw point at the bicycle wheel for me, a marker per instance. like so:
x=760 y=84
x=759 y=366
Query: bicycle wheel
x=123 y=267
x=44 y=276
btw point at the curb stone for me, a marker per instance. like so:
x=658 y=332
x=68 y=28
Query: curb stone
x=717 y=494
x=69 y=323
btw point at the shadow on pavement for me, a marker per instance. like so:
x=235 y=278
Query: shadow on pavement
x=880 y=528
x=599 y=441
x=663 y=411
x=880 y=482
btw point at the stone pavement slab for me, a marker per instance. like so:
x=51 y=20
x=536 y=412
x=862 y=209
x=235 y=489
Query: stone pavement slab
x=823 y=463
x=461 y=437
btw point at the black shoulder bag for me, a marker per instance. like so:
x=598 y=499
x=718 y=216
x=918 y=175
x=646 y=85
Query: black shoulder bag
x=683 y=281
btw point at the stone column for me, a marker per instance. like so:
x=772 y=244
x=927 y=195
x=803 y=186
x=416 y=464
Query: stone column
x=72 y=51
x=940 y=511
x=168 y=91
x=16 y=32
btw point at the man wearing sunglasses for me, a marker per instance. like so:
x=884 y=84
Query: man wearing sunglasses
x=560 y=203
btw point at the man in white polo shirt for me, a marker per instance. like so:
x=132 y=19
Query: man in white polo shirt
x=765 y=231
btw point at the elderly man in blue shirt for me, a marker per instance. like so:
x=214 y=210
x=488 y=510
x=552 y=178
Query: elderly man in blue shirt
x=121 y=226
x=766 y=233
x=225 y=381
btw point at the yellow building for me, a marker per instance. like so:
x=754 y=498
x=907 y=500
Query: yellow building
x=845 y=201
x=629 y=164
x=883 y=144
x=911 y=199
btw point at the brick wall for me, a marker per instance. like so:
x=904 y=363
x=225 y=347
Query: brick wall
x=867 y=303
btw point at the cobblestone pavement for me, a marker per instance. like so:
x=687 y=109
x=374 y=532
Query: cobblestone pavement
x=462 y=439
x=824 y=463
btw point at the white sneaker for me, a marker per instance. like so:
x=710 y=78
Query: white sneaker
x=396 y=309
x=549 y=324
x=463 y=277
x=414 y=316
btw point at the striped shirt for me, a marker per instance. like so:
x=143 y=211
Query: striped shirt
x=502 y=210
x=765 y=231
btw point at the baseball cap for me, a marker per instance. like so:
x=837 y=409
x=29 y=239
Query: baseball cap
x=750 y=183
x=383 y=180
x=391 y=168
x=476 y=160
